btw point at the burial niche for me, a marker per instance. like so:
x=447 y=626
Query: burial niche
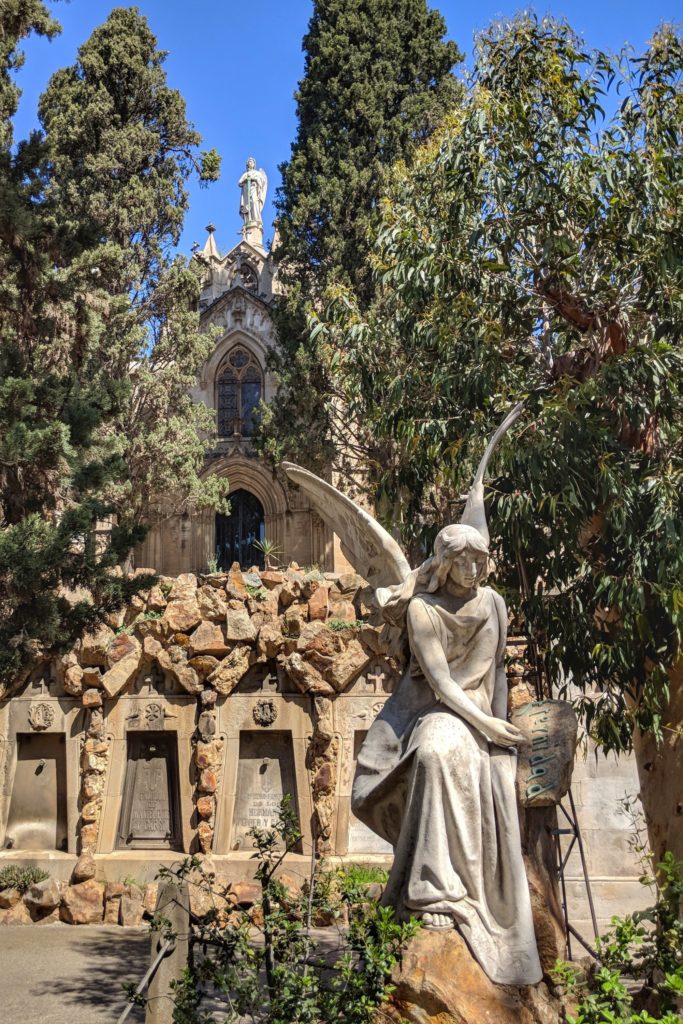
x=37 y=815
x=265 y=774
x=236 y=533
x=150 y=811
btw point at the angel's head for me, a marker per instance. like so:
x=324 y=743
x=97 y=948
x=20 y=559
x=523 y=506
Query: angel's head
x=460 y=554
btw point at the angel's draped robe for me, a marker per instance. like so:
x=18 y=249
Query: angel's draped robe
x=432 y=786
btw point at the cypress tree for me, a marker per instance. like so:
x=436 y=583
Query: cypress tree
x=377 y=80
x=97 y=329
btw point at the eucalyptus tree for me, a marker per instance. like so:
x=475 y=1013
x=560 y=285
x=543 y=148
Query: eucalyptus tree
x=533 y=251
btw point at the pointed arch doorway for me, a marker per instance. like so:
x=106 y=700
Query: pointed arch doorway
x=236 y=533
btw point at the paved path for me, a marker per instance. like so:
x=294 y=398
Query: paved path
x=62 y=974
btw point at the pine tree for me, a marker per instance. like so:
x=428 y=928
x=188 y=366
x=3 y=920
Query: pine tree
x=95 y=321
x=377 y=80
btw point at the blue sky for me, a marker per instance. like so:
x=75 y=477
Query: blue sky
x=238 y=64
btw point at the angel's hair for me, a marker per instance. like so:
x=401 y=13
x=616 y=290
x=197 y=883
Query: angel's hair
x=433 y=573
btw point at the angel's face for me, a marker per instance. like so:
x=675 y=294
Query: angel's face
x=467 y=568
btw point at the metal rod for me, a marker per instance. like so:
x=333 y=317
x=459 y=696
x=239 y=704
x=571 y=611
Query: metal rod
x=165 y=946
x=586 y=877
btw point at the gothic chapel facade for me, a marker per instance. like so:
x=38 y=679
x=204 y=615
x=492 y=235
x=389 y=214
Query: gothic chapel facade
x=239 y=290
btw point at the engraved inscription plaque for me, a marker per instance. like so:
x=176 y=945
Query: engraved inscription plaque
x=150 y=810
x=361 y=838
x=264 y=775
x=37 y=815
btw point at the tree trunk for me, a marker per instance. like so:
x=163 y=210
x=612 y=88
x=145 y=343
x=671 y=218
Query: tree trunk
x=660 y=769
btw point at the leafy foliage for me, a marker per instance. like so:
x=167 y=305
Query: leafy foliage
x=285 y=978
x=645 y=947
x=533 y=251
x=99 y=342
x=377 y=80
x=15 y=877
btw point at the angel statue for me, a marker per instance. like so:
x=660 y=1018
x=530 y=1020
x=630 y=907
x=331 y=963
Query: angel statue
x=435 y=775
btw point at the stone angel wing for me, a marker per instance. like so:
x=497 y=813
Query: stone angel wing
x=371 y=550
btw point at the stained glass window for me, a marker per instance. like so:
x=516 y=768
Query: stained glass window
x=238 y=392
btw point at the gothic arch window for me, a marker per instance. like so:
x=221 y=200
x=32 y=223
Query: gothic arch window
x=236 y=533
x=239 y=387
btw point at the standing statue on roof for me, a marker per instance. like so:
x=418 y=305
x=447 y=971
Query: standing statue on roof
x=254 y=186
x=436 y=773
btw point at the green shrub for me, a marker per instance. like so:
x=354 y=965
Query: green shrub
x=338 y=625
x=15 y=877
x=285 y=977
x=639 y=977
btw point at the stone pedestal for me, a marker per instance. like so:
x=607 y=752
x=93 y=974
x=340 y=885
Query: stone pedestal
x=440 y=982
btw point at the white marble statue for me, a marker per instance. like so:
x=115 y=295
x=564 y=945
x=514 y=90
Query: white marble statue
x=253 y=185
x=435 y=775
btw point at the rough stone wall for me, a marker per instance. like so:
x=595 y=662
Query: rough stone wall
x=204 y=633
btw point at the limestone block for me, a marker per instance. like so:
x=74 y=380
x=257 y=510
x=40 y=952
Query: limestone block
x=149 y=900
x=290 y=590
x=88 y=836
x=83 y=903
x=112 y=901
x=184 y=587
x=73 y=680
x=94 y=646
x=349 y=583
x=229 y=672
x=182 y=616
x=205 y=806
x=174 y=661
x=546 y=758
x=208 y=781
x=84 y=868
x=9 y=898
x=239 y=625
x=156 y=601
x=212 y=604
x=347 y=665
x=270 y=641
x=208 y=639
x=131 y=907
x=245 y=894
x=271 y=578
x=43 y=896
x=209 y=755
x=440 y=982
x=92 y=676
x=18 y=914
x=235 y=586
x=204 y=836
x=601 y=804
x=318 y=604
x=203 y=665
x=305 y=676
x=343 y=610
x=92 y=698
x=123 y=661
x=92 y=785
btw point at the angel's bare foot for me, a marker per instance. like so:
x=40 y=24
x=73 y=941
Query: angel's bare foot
x=437 y=922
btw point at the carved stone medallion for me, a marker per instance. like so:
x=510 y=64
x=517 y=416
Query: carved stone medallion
x=265 y=712
x=41 y=716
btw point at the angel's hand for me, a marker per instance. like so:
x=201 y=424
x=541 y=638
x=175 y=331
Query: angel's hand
x=502 y=733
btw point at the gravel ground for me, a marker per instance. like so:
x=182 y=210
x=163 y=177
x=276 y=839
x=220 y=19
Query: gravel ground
x=62 y=974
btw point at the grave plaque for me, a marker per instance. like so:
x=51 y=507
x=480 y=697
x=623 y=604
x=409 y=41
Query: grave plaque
x=264 y=775
x=37 y=815
x=361 y=838
x=150 y=811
